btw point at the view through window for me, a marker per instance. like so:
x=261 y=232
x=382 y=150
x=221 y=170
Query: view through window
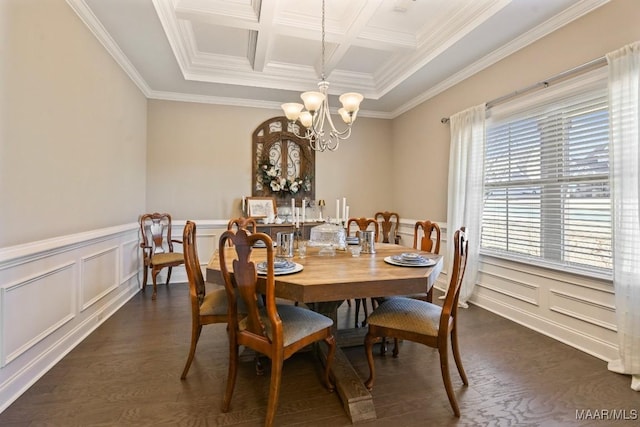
x=547 y=198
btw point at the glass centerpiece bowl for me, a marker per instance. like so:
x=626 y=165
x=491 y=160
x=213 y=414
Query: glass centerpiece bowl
x=328 y=237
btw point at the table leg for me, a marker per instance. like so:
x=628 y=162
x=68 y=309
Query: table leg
x=356 y=399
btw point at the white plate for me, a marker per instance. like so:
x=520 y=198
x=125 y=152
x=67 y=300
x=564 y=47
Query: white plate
x=428 y=262
x=411 y=256
x=296 y=269
x=261 y=244
x=277 y=265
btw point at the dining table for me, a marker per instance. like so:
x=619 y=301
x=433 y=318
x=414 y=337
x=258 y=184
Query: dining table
x=323 y=282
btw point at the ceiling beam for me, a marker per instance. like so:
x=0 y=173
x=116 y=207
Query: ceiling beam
x=260 y=43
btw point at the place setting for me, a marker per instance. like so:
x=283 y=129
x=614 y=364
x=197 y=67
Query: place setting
x=280 y=267
x=410 y=259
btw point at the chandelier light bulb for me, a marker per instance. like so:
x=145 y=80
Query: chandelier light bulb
x=312 y=101
x=351 y=101
x=292 y=110
x=306 y=119
x=347 y=117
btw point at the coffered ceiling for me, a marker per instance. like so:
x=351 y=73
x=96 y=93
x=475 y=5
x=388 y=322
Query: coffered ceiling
x=262 y=53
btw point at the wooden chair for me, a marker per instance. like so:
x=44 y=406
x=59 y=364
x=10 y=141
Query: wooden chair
x=363 y=224
x=429 y=242
x=206 y=308
x=390 y=223
x=157 y=247
x=277 y=331
x=424 y=322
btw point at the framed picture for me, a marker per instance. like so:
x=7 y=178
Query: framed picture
x=261 y=207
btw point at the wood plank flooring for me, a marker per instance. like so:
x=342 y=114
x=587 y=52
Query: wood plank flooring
x=127 y=373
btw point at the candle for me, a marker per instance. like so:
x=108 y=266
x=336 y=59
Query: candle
x=304 y=217
x=347 y=214
x=243 y=204
x=338 y=211
x=293 y=209
x=344 y=209
x=297 y=217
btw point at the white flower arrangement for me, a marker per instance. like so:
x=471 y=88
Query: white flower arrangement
x=269 y=177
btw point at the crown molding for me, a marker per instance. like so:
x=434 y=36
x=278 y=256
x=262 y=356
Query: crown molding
x=249 y=103
x=571 y=14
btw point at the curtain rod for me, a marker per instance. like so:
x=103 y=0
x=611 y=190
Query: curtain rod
x=595 y=63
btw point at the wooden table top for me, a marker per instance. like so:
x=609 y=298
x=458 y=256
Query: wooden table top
x=340 y=277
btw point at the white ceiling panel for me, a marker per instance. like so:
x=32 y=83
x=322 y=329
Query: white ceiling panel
x=264 y=52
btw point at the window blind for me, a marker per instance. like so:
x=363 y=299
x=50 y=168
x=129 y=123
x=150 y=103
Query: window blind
x=546 y=184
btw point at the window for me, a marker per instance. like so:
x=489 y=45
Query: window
x=546 y=184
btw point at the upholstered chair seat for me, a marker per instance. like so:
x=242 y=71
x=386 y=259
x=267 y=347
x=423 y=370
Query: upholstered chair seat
x=297 y=323
x=407 y=314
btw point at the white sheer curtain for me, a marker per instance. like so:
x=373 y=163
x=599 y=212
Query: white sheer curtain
x=466 y=180
x=624 y=94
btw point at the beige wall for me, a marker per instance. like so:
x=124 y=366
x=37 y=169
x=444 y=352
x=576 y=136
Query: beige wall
x=72 y=127
x=79 y=149
x=199 y=161
x=421 y=142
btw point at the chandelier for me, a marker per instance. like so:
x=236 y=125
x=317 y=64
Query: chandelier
x=316 y=113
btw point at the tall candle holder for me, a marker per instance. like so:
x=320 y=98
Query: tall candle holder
x=321 y=205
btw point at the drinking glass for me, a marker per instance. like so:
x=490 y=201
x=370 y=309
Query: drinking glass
x=302 y=249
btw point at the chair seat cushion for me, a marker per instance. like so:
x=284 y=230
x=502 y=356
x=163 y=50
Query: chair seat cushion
x=407 y=314
x=214 y=303
x=297 y=322
x=167 y=258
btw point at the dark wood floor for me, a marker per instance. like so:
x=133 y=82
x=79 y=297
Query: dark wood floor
x=128 y=373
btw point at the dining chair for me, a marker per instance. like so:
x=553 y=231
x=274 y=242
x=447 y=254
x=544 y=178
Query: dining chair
x=424 y=322
x=206 y=308
x=363 y=224
x=275 y=330
x=430 y=240
x=157 y=248
x=426 y=233
x=390 y=223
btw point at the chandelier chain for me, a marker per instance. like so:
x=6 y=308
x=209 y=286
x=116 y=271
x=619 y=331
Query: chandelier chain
x=323 y=49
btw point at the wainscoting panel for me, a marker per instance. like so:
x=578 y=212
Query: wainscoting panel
x=55 y=292
x=576 y=310
x=38 y=306
x=99 y=276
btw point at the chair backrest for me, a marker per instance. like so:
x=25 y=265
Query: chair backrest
x=450 y=305
x=244 y=284
x=390 y=224
x=430 y=241
x=197 y=289
x=243 y=223
x=156 y=232
x=363 y=224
